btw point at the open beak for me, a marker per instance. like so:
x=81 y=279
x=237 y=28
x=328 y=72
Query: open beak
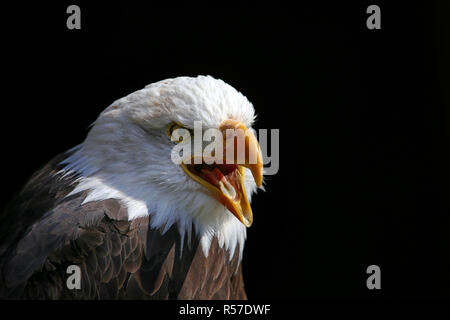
x=226 y=179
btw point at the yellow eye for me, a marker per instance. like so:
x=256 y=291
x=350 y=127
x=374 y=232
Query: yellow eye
x=172 y=127
x=178 y=133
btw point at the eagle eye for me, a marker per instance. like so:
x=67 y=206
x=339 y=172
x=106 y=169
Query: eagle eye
x=178 y=133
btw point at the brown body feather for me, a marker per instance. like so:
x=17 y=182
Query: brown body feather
x=42 y=232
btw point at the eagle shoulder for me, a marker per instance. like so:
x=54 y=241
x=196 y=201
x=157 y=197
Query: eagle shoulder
x=45 y=230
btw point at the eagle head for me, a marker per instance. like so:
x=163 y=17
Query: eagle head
x=128 y=155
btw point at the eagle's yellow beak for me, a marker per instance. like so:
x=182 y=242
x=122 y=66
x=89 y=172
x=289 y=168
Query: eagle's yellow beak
x=226 y=181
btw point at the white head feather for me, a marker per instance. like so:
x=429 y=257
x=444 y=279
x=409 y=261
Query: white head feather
x=127 y=156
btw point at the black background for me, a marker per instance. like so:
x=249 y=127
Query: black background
x=363 y=119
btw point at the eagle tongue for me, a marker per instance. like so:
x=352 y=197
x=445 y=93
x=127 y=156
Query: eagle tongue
x=219 y=180
x=213 y=176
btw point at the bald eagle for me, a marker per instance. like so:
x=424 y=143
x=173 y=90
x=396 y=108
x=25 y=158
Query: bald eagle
x=134 y=223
